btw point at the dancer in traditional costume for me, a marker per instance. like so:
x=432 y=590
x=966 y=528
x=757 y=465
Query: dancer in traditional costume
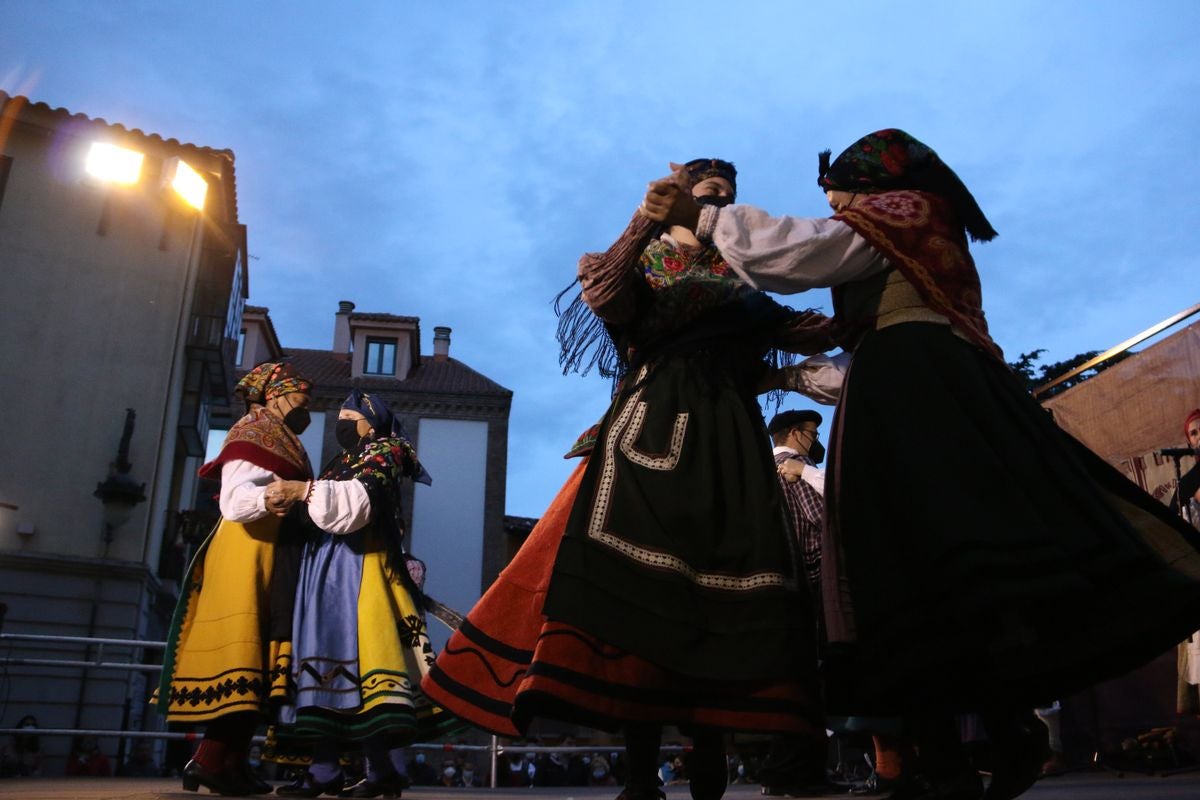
x=359 y=640
x=993 y=563
x=230 y=636
x=675 y=597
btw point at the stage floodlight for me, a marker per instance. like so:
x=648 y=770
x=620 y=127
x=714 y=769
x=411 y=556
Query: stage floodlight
x=188 y=183
x=113 y=164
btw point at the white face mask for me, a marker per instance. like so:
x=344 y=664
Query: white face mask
x=448 y=772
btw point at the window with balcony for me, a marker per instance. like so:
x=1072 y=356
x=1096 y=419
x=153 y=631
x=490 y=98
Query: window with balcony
x=379 y=357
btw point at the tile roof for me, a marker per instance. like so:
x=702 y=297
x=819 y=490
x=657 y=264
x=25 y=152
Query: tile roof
x=371 y=317
x=328 y=369
x=65 y=114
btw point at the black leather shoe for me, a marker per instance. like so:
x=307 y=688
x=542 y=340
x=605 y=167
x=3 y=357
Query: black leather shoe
x=388 y=786
x=194 y=776
x=308 y=786
x=248 y=782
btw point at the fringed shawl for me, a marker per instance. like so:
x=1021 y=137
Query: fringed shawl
x=920 y=235
x=610 y=324
x=263 y=440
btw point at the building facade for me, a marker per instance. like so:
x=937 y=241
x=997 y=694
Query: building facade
x=124 y=267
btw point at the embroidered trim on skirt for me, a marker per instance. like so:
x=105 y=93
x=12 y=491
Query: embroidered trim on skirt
x=678 y=549
x=360 y=649
x=220 y=658
x=507 y=664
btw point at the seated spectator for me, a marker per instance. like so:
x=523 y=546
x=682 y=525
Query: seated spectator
x=514 y=771
x=577 y=764
x=468 y=776
x=26 y=751
x=86 y=760
x=600 y=772
x=141 y=763
x=449 y=774
x=678 y=770
x=421 y=773
x=551 y=770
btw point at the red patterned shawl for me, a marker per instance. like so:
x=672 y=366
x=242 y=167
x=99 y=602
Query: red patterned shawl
x=263 y=440
x=920 y=236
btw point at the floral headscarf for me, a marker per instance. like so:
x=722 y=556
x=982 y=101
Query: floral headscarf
x=891 y=159
x=376 y=411
x=380 y=416
x=701 y=169
x=271 y=379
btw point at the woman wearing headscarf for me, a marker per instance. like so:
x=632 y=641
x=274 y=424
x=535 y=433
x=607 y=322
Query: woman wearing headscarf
x=977 y=558
x=674 y=597
x=359 y=641
x=229 y=635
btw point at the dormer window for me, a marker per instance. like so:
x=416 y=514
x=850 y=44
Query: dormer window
x=379 y=356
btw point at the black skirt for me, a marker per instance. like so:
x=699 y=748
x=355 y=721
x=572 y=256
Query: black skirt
x=975 y=553
x=677 y=549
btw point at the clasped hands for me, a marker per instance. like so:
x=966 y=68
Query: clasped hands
x=281 y=495
x=791 y=470
x=669 y=200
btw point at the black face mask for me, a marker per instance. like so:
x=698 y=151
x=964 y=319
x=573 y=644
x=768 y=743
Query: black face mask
x=346 y=433
x=297 y=420
x=816 y=452
x=713 y=200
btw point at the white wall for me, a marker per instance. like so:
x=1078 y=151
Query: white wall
x=313 y=440
x=447 y=522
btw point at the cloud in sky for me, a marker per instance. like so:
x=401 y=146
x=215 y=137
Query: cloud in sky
x=453 y=161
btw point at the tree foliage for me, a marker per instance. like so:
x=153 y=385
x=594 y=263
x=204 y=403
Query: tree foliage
x=1035 y=375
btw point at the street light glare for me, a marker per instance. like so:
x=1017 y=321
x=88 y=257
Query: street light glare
x=107 y=162
x=189 y=184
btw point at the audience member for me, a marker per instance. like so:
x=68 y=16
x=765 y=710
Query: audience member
x=420 y=772
x=26 y=750
x=141 y=763
x=86 y=760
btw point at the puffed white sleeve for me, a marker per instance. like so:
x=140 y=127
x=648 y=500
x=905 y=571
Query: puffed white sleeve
x=339 y=506
x=243 y=491
x=788 y=254
x=818 y=377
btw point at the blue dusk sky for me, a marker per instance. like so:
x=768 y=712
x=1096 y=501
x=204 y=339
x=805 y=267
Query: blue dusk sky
x=452 y=160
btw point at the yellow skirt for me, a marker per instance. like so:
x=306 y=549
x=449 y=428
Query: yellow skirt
x=219 y=660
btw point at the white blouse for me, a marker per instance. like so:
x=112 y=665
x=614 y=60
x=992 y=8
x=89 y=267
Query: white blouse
x=335 y=507
x=788 y=254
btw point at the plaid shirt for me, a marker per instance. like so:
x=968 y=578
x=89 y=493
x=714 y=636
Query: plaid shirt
x=807 y=509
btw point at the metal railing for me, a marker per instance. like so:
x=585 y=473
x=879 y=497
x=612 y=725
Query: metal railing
x=495 y=749
x=99 y=644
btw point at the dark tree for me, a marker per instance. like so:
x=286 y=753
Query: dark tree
x=1034 y=375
